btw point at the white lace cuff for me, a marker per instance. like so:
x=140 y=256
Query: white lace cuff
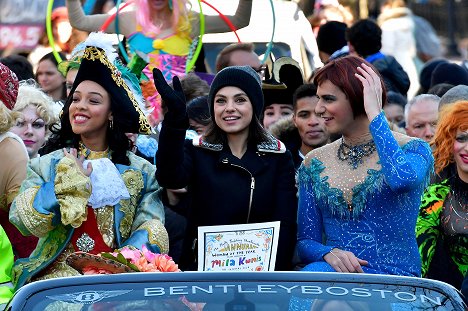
x=108 y=188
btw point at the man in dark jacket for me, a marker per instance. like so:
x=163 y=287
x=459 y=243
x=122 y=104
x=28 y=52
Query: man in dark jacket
x=365 y=40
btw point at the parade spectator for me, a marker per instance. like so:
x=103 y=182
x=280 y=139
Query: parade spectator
x=365 y=40
x=331 y=37
x=305 y=131
x=442 y=227
x=65 y=37
x=397 y=24
x=395 y=107
x=13 y=154
x=36 y=116
x=238 y=54
x=459 y=92
x=51 y=80
x=236 y=172
x=329 y=10
x=199 y=114
x=278 y=90
x=425 y=75
x=421 y=114
x=19 y=65
x=345 y=186
x=449 y=73
x=440 y=89
x=428 y=45
x=109 y=201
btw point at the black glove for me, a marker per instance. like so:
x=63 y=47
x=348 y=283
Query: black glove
x=174 y=99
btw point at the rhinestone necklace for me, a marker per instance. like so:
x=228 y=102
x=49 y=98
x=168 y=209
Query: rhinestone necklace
x=354 y=154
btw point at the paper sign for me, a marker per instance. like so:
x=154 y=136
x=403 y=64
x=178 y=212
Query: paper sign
x=246 y=247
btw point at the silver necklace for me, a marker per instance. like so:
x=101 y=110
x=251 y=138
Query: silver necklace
x=354 y=154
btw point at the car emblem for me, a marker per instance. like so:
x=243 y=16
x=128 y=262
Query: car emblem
x=88 y=297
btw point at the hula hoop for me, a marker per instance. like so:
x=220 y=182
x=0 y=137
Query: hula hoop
x=191 y=63
x=270 y=44
x=111 y=17
x=122 y=49
x=224 y=18
x=50 y=35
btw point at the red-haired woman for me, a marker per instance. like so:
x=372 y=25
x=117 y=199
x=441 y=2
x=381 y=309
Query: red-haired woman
x=363 y=190
x=442 y=227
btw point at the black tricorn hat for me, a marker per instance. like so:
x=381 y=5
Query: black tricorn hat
x=286 y=77
x=101 y=64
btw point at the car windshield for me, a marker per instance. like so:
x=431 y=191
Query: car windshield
x=239 y=296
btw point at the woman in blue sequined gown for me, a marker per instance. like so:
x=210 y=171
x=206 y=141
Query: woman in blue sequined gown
x=359 y=196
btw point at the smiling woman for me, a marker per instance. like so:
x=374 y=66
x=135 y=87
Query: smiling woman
x=236 y=172
x=91 y=194
x=363 y=190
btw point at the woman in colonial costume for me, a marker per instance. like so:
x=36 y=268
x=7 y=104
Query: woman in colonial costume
x=91 y=194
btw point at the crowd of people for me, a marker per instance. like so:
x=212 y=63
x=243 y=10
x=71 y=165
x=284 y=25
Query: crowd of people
x=364 y=163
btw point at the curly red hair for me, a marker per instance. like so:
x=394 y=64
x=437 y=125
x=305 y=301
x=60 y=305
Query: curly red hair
x=452 y=118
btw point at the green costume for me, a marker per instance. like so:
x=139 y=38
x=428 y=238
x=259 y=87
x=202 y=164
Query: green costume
x=441 y=220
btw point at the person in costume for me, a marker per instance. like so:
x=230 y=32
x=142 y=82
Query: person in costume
x=236 y=172
x=160 y=31
x=278 y=90
x=14 y=157
x=91 y=194
x=442 y=227
x=363 y=190
x=36 y=116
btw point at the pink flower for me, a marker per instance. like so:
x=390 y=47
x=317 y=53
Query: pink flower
x=147 y=261
x=150 y=256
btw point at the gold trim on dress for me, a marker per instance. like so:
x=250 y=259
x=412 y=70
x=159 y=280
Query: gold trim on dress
x=72 y=189
x=157 y=234
x=38 y=224
x=133 y=180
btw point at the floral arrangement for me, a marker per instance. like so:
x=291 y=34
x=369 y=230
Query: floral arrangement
x=135 y=259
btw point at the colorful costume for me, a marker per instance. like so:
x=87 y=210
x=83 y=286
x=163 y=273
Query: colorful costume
x=52 y=204
x=169 y=54
x=441 y=229
x=168 y=50
x=370 y=211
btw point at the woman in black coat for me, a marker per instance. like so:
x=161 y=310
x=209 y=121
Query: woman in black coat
x=236 y=173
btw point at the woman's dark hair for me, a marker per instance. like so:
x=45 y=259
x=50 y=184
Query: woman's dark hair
x=50 y=56
x=341 y=72
x=257 y=134
x=198 y=110
x=64 y=137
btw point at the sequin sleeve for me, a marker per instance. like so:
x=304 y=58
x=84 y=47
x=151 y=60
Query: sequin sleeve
x=428 y=224
x=309 y=244
x=406 y=167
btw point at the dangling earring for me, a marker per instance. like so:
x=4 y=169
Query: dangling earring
x=170 y=5
x=111 y=124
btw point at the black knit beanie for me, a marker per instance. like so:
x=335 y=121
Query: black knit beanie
x=243 y=77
